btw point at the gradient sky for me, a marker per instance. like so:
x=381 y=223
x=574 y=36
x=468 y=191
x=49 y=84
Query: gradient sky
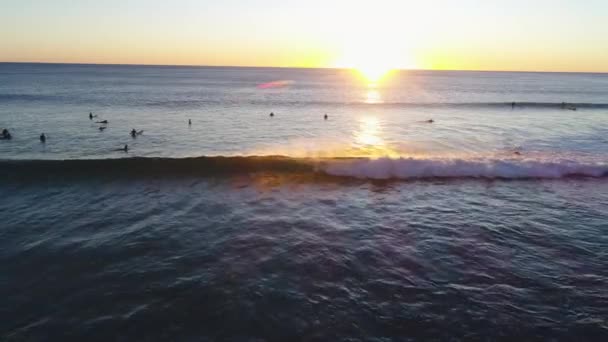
x=538 y=35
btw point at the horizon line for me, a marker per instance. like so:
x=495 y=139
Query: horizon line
x=293 y=67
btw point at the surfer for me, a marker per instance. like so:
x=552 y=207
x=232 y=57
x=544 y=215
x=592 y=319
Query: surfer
x=430 y=120
x=90 y=115
x=101 y=128
x=271 y=114
x=105 y=122
x=6 y=134
x=42 y=138
x=567 y=106
x=512 y=105
x=124 y=149
x=189 y=122
x=325 y=116
x=133 y=133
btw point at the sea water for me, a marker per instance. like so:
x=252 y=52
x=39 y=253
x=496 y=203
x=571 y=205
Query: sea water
x=491 y=221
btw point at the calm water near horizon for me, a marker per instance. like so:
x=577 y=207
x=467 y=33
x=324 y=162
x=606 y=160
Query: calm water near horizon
x=229 y=108
x=489 y=223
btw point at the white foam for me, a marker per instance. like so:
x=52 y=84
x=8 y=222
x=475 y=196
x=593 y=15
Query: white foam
x=404 y=168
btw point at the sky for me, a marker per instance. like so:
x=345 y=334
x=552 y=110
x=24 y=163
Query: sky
x=531 y=35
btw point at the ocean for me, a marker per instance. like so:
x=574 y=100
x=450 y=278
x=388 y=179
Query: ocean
x=430 y=205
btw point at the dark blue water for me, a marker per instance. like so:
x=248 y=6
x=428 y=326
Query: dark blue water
x=374 y=227
x=268 y=257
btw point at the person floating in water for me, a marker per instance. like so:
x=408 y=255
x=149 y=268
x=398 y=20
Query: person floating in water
x=124 y=149
x=6 y=134
x=189 y=122
x=102 y=122
x=271 y=114
x=42 y=138
x=135 y=133
x=325 y=116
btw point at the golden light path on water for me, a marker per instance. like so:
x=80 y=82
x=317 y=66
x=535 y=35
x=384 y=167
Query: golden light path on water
x=372 y=95
x=368 y=133
x=367 y=138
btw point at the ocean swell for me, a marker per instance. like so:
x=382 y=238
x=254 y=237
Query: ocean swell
x=407 y=168
x=362 y=168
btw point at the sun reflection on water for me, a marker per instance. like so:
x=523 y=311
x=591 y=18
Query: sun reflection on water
x=368 y=141
x=369 y=132
x=373 y=96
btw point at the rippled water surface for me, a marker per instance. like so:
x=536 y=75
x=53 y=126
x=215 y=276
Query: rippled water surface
x=229 y=109
x=491 y=223
x=277 y=258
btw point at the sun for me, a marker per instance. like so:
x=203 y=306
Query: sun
x=368 y=63
x=373 y=73
x=370 y=38
x=374 y=62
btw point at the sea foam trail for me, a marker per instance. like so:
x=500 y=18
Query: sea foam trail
x=382 y=168
x=406 y=168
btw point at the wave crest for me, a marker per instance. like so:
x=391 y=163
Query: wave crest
x=407 y=168
x=364 y=168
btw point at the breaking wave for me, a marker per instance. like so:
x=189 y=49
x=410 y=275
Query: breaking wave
x=363 y=168
x=406 y=168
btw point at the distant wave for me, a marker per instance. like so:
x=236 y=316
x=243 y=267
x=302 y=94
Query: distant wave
x=26 y=97
x=194 y=103
x=271 y=103
x=541 y=105
x=363 y=168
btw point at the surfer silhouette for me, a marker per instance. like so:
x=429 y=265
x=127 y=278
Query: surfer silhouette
x=124 y=149
x=6 y=134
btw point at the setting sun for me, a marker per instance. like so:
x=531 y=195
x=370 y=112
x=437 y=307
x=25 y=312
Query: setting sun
x=371 y=67
x=373 y=73
x=374 y=60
